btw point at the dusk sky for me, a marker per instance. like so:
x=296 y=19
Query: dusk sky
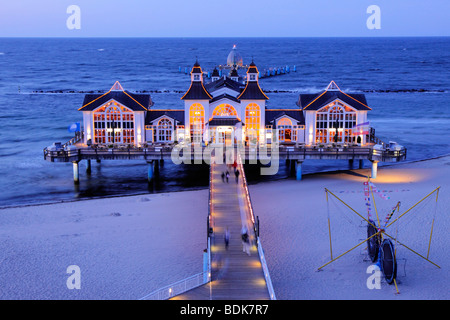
x=229 y=18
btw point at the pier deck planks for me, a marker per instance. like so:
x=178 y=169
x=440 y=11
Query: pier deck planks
x=235 y=275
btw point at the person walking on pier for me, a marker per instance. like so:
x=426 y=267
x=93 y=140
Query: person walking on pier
x=227 y=175
x=235 y=165
x=245 y=240
x=227 y=238
x=223 y=176
x=236 y=173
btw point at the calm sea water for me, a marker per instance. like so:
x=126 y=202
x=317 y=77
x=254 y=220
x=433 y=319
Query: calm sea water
x=406 y=82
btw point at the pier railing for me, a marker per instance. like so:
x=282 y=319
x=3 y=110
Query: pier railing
x=340 y=152
x=176 y=288
x=118 y=152
x=255 y=221
x=300 y=152
x=79 y=135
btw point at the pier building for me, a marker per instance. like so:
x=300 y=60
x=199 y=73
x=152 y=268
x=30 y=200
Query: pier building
x=230 y=110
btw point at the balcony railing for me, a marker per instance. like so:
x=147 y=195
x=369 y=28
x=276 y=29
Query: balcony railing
x=379 y=152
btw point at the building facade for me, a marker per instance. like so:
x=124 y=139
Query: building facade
x=227 y=109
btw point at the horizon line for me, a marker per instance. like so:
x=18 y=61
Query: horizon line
x=217 y=37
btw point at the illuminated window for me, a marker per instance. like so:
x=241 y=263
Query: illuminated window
x=164 y=130
x=334 y=123
x=224 y=110
x=113 y=123
x=197 y=122
x=252 y=120
x=284 y=126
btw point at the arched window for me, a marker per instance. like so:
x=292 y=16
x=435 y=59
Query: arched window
x=284 y=122
x=252 y=120
x=197 y=121
x=113 y=123
x=224 y=110
x=334 y=123
x=164 y=130
x=284 y=126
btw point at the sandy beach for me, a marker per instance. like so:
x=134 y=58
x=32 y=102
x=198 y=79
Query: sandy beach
x=294 y=231
x=127 y=247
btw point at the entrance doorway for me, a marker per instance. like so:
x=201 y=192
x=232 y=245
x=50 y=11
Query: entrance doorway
x=224 y=135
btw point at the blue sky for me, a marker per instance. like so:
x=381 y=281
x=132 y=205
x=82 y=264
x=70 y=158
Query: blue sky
x=228 y=18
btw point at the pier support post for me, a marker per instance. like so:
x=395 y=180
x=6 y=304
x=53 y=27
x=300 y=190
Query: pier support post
x=76 y=172
x=292 y=168
x=350 y=163
x=361 y=163
x=374 y=169
x=298 y=170
x=150 y=171
x=88 y=167
x=156 y=166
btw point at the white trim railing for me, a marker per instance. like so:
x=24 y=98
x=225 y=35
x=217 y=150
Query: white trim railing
x=250 y=212
x=178 y=288
x=262 y=257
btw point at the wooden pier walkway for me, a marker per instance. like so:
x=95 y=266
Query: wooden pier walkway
x=235 y=274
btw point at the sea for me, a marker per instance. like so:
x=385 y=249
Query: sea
x=43 y=82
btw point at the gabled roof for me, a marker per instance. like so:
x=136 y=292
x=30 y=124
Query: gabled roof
x=177 y=115
x=319 y=100
x=134 y=101
x=297 y=114
x=224 y=82
x=332 y=86
x=196 y=92
x=223 y=96
x=252 y=91
x=117 y=86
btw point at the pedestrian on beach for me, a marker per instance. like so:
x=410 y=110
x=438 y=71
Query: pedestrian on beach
x=227 y=238
x=236 y=173
x=227 y=175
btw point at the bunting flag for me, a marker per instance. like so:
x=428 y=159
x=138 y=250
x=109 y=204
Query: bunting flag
x=368 y=185
x=367 y=199
x=389 y=215
x=378 y=192
x=385 y=191
x=360 y=129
